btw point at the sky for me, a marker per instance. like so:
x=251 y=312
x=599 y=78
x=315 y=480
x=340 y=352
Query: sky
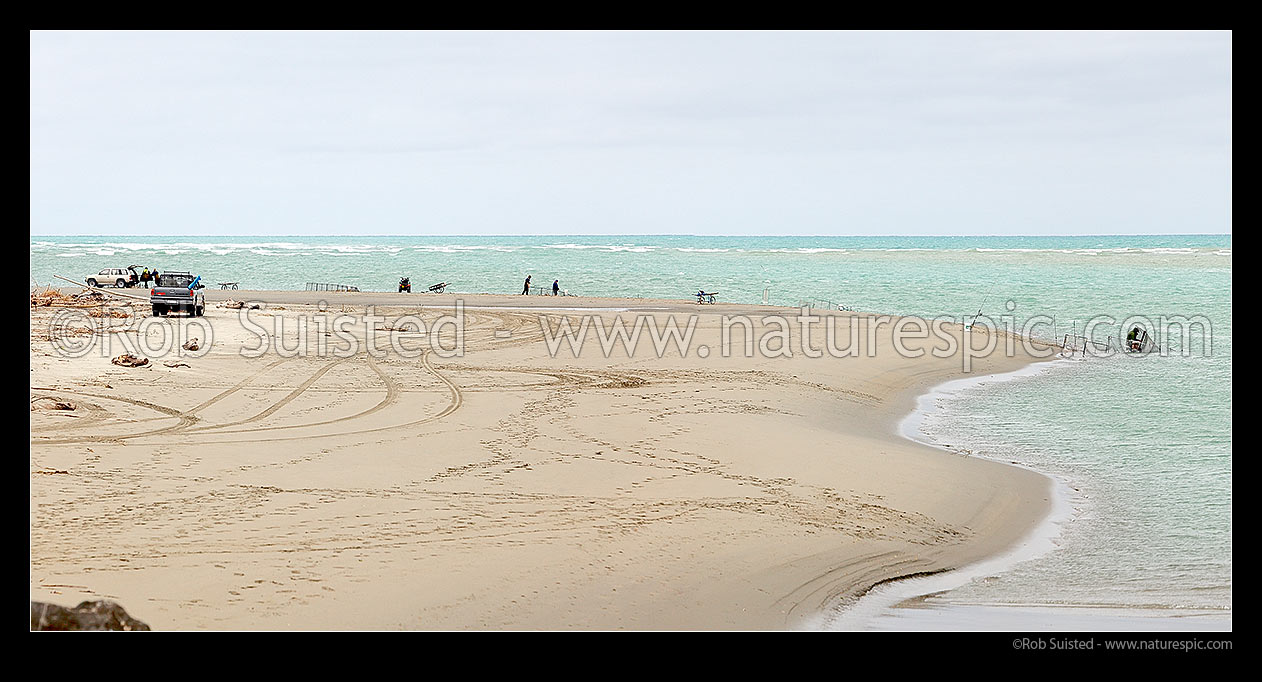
x=711 y=133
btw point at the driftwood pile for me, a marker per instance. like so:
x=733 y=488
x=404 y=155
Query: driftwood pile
x=53 y=297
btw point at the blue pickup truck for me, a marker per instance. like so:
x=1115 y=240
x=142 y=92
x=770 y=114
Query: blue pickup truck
x=178 y=292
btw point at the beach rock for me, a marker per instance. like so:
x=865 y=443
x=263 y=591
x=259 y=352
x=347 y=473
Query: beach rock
x=88 y=615
x=191 y=344
x=129 y=360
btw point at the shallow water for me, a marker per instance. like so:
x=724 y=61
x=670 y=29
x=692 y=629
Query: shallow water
x=1145 y=443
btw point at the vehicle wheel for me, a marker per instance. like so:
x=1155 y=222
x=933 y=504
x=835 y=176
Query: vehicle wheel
x=158 y=311
x=120 y=283
x=92 y=283
x=201 y=310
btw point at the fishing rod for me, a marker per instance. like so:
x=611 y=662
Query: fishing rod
x=979 y=311
x=108 y=293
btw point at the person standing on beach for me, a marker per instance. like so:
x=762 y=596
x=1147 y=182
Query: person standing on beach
x=556 y=286
x=525 y=290
x=155 y=277
x=144 y=277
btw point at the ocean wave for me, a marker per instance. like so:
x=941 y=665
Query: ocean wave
x=463 y=248
x=221 y=246
x=801 y=249
x=1095 y=251
x=707 y=252
x=613 y=248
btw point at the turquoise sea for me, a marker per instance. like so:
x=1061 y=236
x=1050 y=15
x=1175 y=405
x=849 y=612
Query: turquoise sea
x=1143 y=444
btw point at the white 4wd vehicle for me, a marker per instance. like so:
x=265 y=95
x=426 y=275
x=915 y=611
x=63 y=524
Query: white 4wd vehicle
x=119 y=277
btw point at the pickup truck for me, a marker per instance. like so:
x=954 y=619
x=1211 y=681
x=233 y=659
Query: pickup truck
x=119 y=277
x=178 y=291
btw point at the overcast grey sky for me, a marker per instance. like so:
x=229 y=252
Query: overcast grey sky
x=188 y=134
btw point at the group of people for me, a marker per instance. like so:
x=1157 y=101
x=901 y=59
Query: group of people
x=556 y=287
x=147 y=276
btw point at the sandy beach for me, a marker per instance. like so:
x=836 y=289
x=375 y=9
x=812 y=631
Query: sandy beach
x=501 y=488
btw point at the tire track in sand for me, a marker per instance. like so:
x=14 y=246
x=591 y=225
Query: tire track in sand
x=185 y=420
x=392 y=394
x=302 y=388
x=186 y=417
x=457 y=399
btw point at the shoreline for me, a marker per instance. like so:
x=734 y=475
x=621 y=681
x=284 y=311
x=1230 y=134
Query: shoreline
x=821 y=566
x=1039 y=541
x=923 y=603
